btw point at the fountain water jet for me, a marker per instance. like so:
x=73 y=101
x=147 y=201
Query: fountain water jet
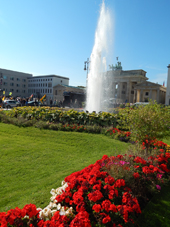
x=97 y=83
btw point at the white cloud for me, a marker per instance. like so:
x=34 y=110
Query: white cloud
x=160 y=78
x=152 y=67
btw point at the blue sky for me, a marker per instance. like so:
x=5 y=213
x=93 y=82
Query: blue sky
x=45 y=37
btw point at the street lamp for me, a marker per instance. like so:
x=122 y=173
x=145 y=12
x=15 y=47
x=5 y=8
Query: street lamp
x=86 y=66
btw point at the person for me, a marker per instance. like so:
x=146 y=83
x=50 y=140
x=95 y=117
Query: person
x=51 y=102
x=57 y=103
x=1 y=102
x=60 y=103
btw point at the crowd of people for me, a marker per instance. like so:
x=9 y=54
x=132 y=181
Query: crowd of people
x=52 y=103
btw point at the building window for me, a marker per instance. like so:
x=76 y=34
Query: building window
x=11 y=84
x=49 y=84
x=5 y=83
x=50 y=90
x=147 y=93
x=23 y=85
x=5 y=77
x=17 y=91
x=45 y=90
x=132 y=92
x=18 y=79
x=123 y=92
x=55 y=92
x=18 y=85
x=11 y=78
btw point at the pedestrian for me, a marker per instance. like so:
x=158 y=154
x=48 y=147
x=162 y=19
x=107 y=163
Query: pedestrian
x=51 y=102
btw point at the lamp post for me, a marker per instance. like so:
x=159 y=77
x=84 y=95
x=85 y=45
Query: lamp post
x=86 y=66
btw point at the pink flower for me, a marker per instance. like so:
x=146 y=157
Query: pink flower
x=158 y=187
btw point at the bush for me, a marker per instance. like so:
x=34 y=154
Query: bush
x=146 y=123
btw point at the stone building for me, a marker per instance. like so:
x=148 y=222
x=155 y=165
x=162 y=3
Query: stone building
x=15 y=82
x=147 y=90
x=123 y=83
x=130 y=86
x=41 y=85
x=167 y=101
x=68 y=93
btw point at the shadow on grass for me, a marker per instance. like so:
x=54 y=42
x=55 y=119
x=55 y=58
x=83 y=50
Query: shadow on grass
x=157 y=212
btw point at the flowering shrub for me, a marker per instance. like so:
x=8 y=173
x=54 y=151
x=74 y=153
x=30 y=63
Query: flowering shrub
x=153 y=144
x=119 y=134
x=63 y=116
x=97 y=195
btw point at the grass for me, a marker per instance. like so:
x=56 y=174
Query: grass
x=157 y=212
x=34 y=161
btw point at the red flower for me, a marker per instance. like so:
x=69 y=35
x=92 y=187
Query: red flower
x=106 y=205
x=97 y=208
x=136 y=175
x=119 y=183
x=95 y=196
x=113 y=208
x=106 y=219
x=109 y=180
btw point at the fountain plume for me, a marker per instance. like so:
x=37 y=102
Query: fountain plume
x=97 y=90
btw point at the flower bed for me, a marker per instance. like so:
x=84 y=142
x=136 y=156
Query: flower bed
x=62 y=116
x=99 y=195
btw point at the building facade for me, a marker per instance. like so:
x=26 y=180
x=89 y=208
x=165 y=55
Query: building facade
x=146 y=91
x=122 y=84
x=41 y=85
x=130 y=86
x=69 y=94
x=167 y=101
x=14 y=82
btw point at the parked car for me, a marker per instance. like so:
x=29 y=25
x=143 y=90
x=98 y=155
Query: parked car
x=10 y=104
x=34 y=103
x=140 y=104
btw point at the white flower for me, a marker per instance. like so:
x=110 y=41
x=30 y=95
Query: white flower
x=53 y=198
x=50 y=206
x=62 y=211
x=59 y=191
x=47 y=212
x=52 y=191
x=69 y=211
x=58 y=206
x=41 y=214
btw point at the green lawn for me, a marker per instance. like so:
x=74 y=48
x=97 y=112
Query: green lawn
x=157 y=212
x=34 y=161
